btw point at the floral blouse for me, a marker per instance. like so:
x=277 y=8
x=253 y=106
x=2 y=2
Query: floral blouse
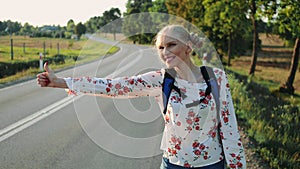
x=191 y=136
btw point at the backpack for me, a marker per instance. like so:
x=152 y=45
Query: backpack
x=210 y=80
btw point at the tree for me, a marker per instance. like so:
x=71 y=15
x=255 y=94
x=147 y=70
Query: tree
x=225 y=18
x=159 y=12
x=11 y=27
x=257 y=9
x=26 y=29
x=192 y=11
x=137 y=26
x=159 y=6
x=70 y=28
x=80 y=29
x=94 y=24
x=289 y=28
x=109 y=17
x=253 y=9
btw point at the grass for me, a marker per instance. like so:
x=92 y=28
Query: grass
x=270 y=117
x=35 y=46
x=271 y=121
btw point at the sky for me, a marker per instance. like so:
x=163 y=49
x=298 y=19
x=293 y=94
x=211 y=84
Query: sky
x=55 y=12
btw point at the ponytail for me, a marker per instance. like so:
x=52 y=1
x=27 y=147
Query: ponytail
x=196 y=40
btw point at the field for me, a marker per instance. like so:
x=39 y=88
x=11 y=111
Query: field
x=67 y=52
x=26 y=48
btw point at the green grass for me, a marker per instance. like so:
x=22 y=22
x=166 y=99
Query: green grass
x=34 y=46
x=270 y=119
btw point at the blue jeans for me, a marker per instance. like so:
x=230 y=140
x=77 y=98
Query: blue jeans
x=167 y=165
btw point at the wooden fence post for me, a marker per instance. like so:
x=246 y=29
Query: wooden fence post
x=44 y=46
x=58 y=49
x=11 y=49
x=24 y=51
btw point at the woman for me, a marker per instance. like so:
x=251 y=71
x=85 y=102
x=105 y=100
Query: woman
x=193 y=136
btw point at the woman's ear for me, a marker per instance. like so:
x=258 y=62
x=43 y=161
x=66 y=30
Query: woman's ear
x=189 y=48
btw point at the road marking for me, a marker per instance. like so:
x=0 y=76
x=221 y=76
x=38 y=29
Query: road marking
x=34 y=118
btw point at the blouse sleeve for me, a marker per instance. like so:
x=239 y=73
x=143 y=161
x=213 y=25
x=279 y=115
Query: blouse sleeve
x=231 y=141
x=148 y=84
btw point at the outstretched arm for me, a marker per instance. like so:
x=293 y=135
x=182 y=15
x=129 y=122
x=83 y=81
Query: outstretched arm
x=148 y=84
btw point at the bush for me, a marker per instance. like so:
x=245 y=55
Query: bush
x=7 y=69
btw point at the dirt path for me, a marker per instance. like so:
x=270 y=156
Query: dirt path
x=254 y=161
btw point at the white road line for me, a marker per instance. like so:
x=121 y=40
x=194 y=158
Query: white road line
x=34 y=118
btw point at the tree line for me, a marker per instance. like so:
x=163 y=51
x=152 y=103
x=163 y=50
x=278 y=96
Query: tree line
x=227 y=23
x=72 y=30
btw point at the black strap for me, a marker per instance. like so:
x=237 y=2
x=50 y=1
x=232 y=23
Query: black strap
x=167 y=86
x=210 y=79
x=206 y=78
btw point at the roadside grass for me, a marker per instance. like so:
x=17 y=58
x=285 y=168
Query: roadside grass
x=271 y=121
x=270 y=118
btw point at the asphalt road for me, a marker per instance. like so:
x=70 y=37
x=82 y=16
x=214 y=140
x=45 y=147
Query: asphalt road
x=44 y=128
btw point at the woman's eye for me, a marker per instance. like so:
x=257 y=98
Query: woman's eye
x=161 y=47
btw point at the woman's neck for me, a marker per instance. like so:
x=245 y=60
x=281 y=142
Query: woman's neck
x=189 y=72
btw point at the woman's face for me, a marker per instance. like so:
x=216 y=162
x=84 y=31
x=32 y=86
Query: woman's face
x=172 y=51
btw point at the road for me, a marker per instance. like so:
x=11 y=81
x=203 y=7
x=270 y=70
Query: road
x=44 y=128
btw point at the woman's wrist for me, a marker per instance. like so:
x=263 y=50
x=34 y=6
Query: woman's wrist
x=60 y=83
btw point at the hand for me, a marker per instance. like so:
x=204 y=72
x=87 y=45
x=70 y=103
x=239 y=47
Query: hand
x=49 y=79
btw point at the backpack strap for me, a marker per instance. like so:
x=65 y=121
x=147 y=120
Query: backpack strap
x=167 y=86
x=211 y=81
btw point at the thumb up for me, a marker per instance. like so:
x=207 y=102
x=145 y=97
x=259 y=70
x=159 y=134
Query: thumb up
x=48 y=78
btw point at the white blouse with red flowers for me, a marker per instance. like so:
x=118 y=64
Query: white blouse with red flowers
x=191 y=136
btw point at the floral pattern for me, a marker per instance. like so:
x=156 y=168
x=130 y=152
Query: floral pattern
x=200 y=150
x=193 y=121
x=175 y=145
x=193 y=136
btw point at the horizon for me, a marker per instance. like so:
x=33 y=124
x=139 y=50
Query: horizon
x=37 y=15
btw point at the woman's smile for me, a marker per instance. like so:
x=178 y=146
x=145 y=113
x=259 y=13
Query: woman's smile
x=169 y=59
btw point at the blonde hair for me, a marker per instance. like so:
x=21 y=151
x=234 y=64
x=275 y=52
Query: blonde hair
x=182 y=34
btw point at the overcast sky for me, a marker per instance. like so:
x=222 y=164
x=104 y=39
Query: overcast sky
x=55 y=12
